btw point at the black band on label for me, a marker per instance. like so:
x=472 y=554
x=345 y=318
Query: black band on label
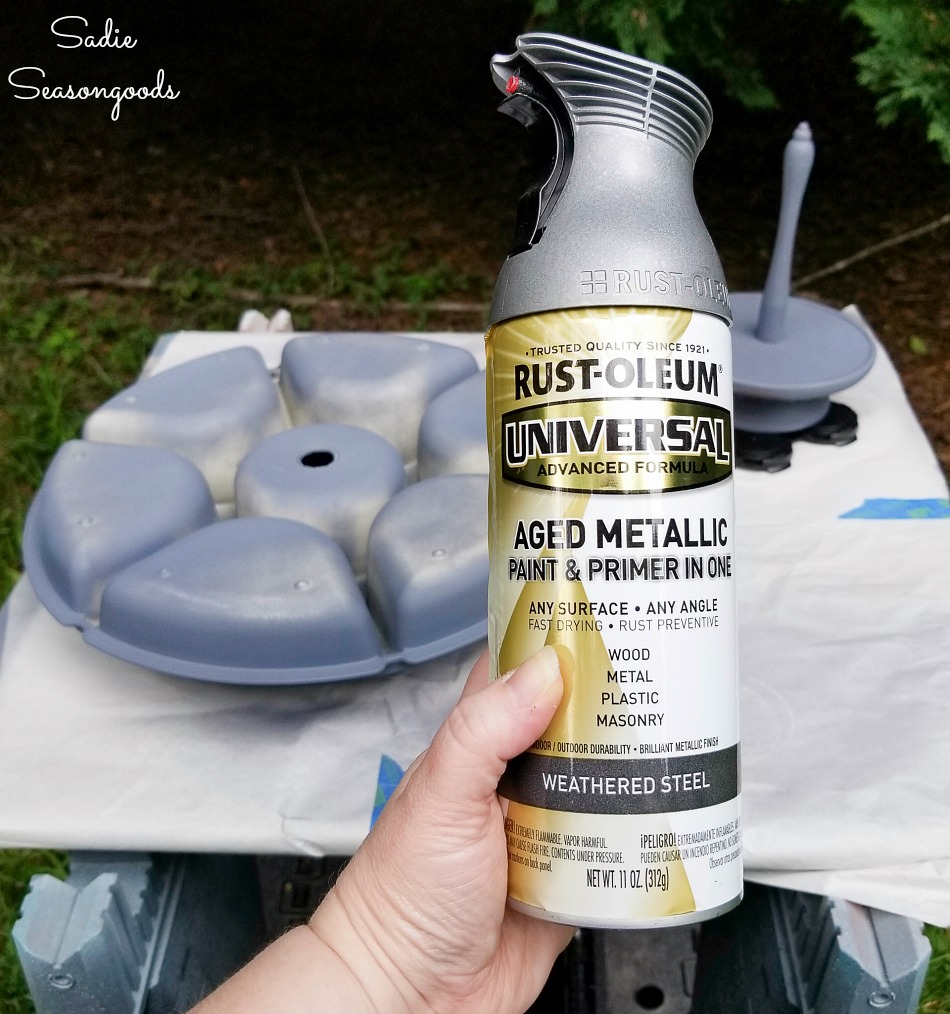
x=638 y=785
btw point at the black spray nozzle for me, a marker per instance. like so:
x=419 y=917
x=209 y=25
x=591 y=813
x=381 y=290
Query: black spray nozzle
x=536 y=106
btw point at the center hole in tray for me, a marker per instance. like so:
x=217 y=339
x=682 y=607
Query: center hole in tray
x=650 y=998
x=317 y=459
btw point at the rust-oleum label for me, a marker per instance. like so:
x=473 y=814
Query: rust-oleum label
x=612 y=536
x=610 y=445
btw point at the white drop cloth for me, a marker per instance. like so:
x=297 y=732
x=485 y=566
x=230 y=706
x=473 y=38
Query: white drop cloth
x=844 y=660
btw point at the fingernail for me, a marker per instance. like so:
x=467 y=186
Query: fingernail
x=535 y=676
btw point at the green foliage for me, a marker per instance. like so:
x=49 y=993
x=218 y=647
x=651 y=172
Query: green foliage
x=908 y=64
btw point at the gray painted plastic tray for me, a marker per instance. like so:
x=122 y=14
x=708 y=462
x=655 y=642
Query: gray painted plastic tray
x=218 y=523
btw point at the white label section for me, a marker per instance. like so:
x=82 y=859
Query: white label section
x=615 y=870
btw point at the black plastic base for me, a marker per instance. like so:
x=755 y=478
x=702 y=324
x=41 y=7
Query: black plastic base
x=772 y=452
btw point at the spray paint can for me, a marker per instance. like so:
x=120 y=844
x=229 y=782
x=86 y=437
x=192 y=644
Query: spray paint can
x=611 y=504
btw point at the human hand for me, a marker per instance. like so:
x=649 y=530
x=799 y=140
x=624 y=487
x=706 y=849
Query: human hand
x=417 y=921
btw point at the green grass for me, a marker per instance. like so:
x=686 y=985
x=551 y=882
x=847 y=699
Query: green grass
x=936 y=995
x=61 y=355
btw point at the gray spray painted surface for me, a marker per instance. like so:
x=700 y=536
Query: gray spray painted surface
x=790 y=354
x=133 y=537
x=787 y=952
x=135 y=933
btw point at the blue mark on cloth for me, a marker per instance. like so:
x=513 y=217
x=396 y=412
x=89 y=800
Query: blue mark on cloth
x=389 y=775
x=886 y=508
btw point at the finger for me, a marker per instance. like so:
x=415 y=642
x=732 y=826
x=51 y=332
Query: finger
x=406 y=777
x=489 y=726
x=476 y=680
x=478 y=677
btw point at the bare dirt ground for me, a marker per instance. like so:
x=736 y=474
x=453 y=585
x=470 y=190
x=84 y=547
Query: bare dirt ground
x=384 y=114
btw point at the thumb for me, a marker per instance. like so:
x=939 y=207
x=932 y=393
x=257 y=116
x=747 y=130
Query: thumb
x=491 y=725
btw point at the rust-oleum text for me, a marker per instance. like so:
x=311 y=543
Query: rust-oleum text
x=662 y=373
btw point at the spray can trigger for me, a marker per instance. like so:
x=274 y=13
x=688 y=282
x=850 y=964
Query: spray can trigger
x=549 y=138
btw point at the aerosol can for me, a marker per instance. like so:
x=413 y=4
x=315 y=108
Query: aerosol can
x=612 y=528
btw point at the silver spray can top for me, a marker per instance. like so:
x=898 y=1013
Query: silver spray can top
x=610 y=218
